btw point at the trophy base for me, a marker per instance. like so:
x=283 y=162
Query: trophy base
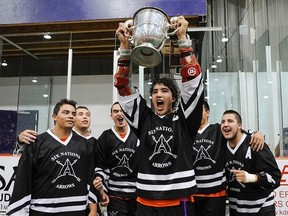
x=146 y=55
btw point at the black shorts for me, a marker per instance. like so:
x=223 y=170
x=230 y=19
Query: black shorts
x=184 y=209
x=122 y=207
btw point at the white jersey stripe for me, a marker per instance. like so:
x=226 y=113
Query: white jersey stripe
x=176 y=175
x=250 y=202
x=19 y=203
x=209 y=177
x=166 y=187
x=122 y=183
x=59 y=200
x=210 y=184
x=58 y=209
x=126 y=190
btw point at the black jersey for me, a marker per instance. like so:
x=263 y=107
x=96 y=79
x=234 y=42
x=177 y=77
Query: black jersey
x=116 y=162
x=251 y=198
x=209 y=148
x=165 y=168
x=92 y=141
x=53 y=177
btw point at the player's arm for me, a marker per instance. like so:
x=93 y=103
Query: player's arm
x=93 y=209
x=21 y=196
x=192 y=82
x=93 y=193
x=257 y=139
x=267 y=174
x=101 y=171
x=190 y=67
x=267 y=169
x=27 y=137
x=122 y=79
x=244 y=177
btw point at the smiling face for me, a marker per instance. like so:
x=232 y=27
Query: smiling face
x=231 y=128
x=162 y=99
x=118 y=116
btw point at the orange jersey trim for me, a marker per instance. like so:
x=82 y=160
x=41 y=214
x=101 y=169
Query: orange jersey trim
x=217 y=194
x=164 y=202
x=63 y=139
x=122 y=135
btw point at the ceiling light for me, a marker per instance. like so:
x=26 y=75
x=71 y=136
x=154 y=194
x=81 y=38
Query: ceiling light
x=219 y=59
x=34 y=80
x=224 y=38
x=213 y=65
x=47 y=36
x=45 y=95
x=149 y=82
x=4 y=63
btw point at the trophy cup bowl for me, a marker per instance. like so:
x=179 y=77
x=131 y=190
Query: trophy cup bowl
x=149 y=33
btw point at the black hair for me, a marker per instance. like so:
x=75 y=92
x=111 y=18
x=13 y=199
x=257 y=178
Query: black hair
x=206 y=106
x=171 y=85
x=82 y=107
x=113 y=105
x=61 y=103
x=236 y=114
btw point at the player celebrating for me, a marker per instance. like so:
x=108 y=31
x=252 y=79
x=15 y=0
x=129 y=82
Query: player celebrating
x=117 y=164
x=252 y=176
x=165 y=180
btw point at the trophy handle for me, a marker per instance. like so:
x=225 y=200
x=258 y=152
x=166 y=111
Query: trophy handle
x=129 y=24
x=170 y=25
x=173 y=20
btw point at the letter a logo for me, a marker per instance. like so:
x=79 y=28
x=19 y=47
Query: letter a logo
x=248 y=153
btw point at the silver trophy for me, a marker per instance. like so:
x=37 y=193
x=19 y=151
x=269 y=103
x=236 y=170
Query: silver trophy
x=149 y=28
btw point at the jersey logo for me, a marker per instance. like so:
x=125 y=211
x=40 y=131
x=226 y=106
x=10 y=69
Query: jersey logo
x=123 y=162
x=175 y=118
x=248 y=154
x=202 y=154
x=232 y=176
x=113 y=213
x=67 y=169
x=162 y=146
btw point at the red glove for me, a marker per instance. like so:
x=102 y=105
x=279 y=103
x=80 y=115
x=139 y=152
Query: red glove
x=190 y=71
x=121 y=78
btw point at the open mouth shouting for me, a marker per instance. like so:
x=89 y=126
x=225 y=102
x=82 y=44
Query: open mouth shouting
x=120 y=120
x=160 y=104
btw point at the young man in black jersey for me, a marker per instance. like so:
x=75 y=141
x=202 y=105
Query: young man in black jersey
x=209 y=149
x=252 y=176
x=116 y=161
x=166 y=180
x=55 y=173
x=82 y=128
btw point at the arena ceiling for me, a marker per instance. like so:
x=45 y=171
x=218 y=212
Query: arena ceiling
x=88 y=39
